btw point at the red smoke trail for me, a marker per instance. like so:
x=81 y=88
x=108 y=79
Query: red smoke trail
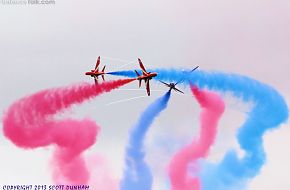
x=101 y=177
x=29 y=123
x=212 y=108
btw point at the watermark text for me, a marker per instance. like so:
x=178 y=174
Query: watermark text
x=27 y=2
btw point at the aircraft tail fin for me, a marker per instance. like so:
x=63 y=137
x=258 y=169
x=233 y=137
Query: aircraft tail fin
x=137 y=73
x=103 y=70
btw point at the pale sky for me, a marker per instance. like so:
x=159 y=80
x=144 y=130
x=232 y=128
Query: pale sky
x=44 y=46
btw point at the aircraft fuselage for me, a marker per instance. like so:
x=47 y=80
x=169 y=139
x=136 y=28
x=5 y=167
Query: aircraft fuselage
x=93 y=74
x=148 y=76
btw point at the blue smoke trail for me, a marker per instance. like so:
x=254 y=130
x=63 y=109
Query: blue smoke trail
x=137 y=174
x=269 y=111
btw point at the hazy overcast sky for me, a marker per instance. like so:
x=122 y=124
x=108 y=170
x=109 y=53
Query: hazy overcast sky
x=44 y=46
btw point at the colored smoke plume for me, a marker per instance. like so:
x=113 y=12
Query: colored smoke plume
x=234 y=172
x=101 y=176
x=212 y=107
x=137 y=174
x=30 y=123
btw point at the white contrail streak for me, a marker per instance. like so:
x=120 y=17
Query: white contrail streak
x=125 y=100
x=134 y=89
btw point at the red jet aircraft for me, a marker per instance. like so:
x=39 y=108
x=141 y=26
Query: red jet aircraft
x=172 y=85
x=96 y=73
x=146 y=76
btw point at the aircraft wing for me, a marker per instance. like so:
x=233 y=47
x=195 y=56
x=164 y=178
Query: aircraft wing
x=179 y=81
x=142 y=66
x=98 y=63
x=189 y=72
x=178 y=90
x=194 y=69
x=164 y=83
x=148 y=87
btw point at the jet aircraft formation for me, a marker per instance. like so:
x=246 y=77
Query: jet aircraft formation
x=146 y=76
